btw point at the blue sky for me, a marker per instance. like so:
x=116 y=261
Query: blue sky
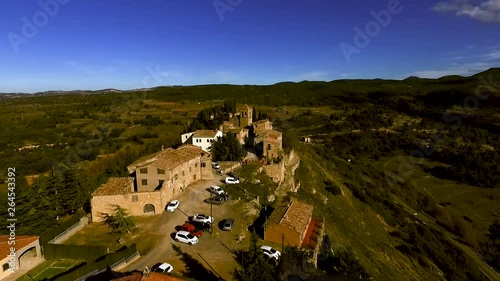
x=77 y=44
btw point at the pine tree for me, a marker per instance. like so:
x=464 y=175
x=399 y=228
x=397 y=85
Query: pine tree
x=256 y=266
x=119 y=221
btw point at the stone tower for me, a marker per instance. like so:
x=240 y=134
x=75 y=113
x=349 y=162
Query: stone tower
x=245 y=113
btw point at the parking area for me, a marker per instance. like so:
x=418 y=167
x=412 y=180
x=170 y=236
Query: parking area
x=214 y=252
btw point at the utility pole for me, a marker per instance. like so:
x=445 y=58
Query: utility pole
x=211 y=214
x=282 y=242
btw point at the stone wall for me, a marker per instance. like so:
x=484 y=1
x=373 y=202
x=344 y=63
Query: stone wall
x=276 y=171
x=134 y=203
x=70 y=231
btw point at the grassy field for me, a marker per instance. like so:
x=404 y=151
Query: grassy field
x=49 y=269
x=353 y=223
x=480 y=205
x=99 y=234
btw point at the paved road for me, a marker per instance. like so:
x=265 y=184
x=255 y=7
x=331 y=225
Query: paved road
x=212 y=252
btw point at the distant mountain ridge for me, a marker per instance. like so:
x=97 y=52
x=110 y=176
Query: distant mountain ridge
x=494 y=72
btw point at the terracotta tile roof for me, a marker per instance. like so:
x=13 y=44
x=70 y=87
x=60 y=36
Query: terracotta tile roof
x=295 y=216
x=169 y=158
x=312 y=237
x=115 y=186
x=236 y=130
x=21 y=241
x=204 y=134
x=272 y=134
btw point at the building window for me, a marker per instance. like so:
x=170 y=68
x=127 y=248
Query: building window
x=144 y=182
x=203 y=165
x=143 y=171
x=268 y=147
x=134 y=198
x=194 y=177
x=5 y=266
x=160 y=171
x=196 y=165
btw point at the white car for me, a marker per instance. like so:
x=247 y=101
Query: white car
x=270 y=252
x=186 y=237
x=203 y=218
x=217 y=190
x=231 y=180
x=172 y=206
x=215 y=165
x=164 y=267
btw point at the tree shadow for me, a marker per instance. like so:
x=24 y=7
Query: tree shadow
x=194 y=269
x=258 y=225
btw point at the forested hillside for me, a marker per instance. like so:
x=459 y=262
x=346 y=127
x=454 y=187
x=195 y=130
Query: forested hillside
x=395 y=148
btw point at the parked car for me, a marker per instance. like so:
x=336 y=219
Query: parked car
x=201 y=226
x=216 y=189
x=216 y=200
x=172 y=206
x=228 y=224
x=225 y=196
x=215 y=165
x=162 y=267
x=232 y=180
x=219 y=172
x=270 y=252
x=186 y=237
x=202 y=218
x=191 y=229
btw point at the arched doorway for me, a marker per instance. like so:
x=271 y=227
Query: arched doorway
x=149 y=209
x=30 y=258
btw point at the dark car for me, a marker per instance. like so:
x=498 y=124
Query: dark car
x=216 y=200
x=228 y=224
x=201 y=226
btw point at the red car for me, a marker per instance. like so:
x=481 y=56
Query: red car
x=191 y=229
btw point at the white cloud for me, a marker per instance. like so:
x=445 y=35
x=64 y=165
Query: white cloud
x=466 y=69
x=313 y=76
x=486 y=10
x=494 y=55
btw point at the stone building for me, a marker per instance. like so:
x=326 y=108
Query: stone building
x=288 y=223
x=267 y=142
x=26 y=255
x=244 y=114
x=154 y=181
x=293 y=224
